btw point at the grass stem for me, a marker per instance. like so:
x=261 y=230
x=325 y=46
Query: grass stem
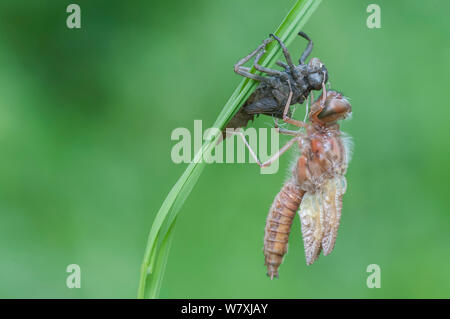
x=161 y=233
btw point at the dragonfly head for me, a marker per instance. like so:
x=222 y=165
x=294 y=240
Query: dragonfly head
x=336 y=108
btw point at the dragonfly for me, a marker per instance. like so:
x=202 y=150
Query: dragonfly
x=316 y=185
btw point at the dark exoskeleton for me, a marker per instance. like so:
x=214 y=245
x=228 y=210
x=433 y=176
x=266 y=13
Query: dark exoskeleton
x=271 y=95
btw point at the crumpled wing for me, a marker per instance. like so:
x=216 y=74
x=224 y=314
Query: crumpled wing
x=310 y=213
x=320 y=215
x=332 y=192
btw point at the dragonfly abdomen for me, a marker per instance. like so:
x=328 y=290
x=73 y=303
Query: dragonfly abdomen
x=278 y=225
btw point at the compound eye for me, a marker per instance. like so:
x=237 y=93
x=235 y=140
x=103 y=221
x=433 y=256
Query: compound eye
x=336 y=108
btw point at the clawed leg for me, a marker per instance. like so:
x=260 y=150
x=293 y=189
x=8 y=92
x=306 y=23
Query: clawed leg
x=324 y=92
x=287 y=56
x=286 y=118
x=308 y=49
x=282 y=64
x=272 y=158
x=307 y=110
x=244 y=71
x=264 y=69
x=286 y=132
x=320 y=105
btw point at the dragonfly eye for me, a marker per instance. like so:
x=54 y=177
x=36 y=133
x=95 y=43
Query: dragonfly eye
x=336 y=108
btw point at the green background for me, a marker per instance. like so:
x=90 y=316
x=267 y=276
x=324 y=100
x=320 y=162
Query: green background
x=85 y=123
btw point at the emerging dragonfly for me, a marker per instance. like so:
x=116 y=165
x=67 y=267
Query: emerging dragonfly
x=317 y=184
x=272 y=93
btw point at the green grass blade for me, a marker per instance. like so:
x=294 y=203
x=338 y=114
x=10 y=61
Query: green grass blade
x=160 y=264
x=161 y=233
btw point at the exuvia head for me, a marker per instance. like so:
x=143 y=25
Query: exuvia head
x=336 y=107
x=317 y=73
x=314 y=72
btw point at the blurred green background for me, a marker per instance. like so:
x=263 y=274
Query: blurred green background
x=85 y=123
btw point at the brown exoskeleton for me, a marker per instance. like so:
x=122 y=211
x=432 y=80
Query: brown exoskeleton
x=316 y=186
x=271 y=95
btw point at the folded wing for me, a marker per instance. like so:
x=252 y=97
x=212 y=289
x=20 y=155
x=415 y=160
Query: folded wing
x=320 y=215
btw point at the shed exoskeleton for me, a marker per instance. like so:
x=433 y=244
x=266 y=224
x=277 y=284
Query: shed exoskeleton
x=271 y=95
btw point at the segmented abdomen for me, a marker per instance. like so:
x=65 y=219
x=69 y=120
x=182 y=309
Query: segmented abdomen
x=278 y=225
